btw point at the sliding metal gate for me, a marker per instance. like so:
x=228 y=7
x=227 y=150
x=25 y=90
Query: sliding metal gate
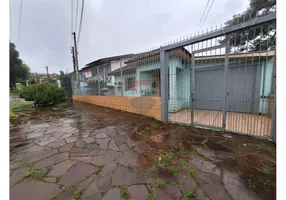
x=231 y=79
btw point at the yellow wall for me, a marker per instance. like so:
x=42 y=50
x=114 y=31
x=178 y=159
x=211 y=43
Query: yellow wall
x=145 y=105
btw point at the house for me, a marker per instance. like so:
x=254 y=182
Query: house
x=249 y=80
x=94 y=78
x=141 y=77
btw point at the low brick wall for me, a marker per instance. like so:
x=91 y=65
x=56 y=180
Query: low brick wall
x=145 y=105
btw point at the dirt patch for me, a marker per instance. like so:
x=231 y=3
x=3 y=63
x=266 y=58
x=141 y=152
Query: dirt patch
x=157 y=138
x=146 y=159
x=215 y=146
x=257 y=173
x=137 y=137
x=166 y=175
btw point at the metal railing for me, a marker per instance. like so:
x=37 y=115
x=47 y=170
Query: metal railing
x=223 y=78
x=228 y=81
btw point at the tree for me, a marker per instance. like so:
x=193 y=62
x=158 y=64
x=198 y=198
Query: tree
x=18 y=70
x=257 y=38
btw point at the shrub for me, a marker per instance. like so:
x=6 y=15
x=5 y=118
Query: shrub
x=44 y=94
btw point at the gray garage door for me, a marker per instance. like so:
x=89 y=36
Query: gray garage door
x=243 y=88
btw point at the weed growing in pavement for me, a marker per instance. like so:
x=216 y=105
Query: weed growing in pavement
x=124 y=192
x=182 y=161
x=159 y=183
x=150 y=197
x=194 y=152
x=37 y=173
x=168 y=157
x=177 y=183
x=173 y=170
x=192 y=170
x=76 y=194
x=191 y=193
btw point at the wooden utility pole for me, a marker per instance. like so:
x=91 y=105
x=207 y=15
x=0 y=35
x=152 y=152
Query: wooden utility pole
x=47 y=68
x=76 y=58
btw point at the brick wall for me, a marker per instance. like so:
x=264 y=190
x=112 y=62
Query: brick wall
x=145 y=105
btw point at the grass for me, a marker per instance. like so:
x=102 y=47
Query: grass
x=15 y=91
x=265 y=149
x=182 y=161
x=124 y=192
x=192 y=170
x=150 y=197
x=16 y=107
x=37 y=173
x=264 y=170
x=191 y=193
x=168 y=157
x=159 y=183
x=177 y=183
x=76 y=194
x=194 y=152
x=173 y=170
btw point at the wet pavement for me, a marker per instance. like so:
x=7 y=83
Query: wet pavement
x=82 y=151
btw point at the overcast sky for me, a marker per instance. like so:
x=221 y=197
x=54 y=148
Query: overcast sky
x=110 y=27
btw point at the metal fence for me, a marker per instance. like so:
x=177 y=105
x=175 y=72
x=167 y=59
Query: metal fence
x=223 y=78
x=228 y=81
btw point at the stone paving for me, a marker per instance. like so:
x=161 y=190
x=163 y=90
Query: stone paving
x=79 y=155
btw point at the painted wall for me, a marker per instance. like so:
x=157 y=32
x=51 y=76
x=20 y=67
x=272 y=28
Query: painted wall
x=115 y=64
x=133 y=92
x=149 y=106
x=145 y=76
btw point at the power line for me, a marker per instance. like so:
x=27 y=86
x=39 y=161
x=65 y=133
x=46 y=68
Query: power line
x=76 y=15
x=71 y=20
x=80 y=23
x=10 y=22
x=207 y=13
x=20 y=20
x=202 y=15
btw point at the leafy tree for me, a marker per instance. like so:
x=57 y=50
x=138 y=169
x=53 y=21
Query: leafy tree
x=257 y=38
x=18 y=70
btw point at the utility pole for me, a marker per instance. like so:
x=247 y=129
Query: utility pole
x=73 y=59
x=76 y=58
x=47 y=68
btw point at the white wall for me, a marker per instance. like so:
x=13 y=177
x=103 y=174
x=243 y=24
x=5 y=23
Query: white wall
x=115 y=64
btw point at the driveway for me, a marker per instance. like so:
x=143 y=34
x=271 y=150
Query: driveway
x=81 y=151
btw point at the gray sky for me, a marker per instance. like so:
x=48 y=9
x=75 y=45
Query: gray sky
x=110 y=27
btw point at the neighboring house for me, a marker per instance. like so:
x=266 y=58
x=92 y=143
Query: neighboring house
x=249 y=80
x=94 y=78
x=141 y=77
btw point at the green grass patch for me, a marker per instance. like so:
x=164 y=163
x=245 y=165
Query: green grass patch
x=150 y=197
x=124 y=192
x=159 y=183
x=194 y=152
x=76 y=194
x=17 y=107
x=192 y=170
x=264 y=170
x=15 y=91
x=265 y=149
x=173 y=170
x=177 y=183
x=37 y=173
x=168 y=157
x=192 y=193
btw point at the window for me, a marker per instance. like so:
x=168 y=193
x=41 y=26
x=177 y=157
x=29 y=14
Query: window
x=129 y=83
